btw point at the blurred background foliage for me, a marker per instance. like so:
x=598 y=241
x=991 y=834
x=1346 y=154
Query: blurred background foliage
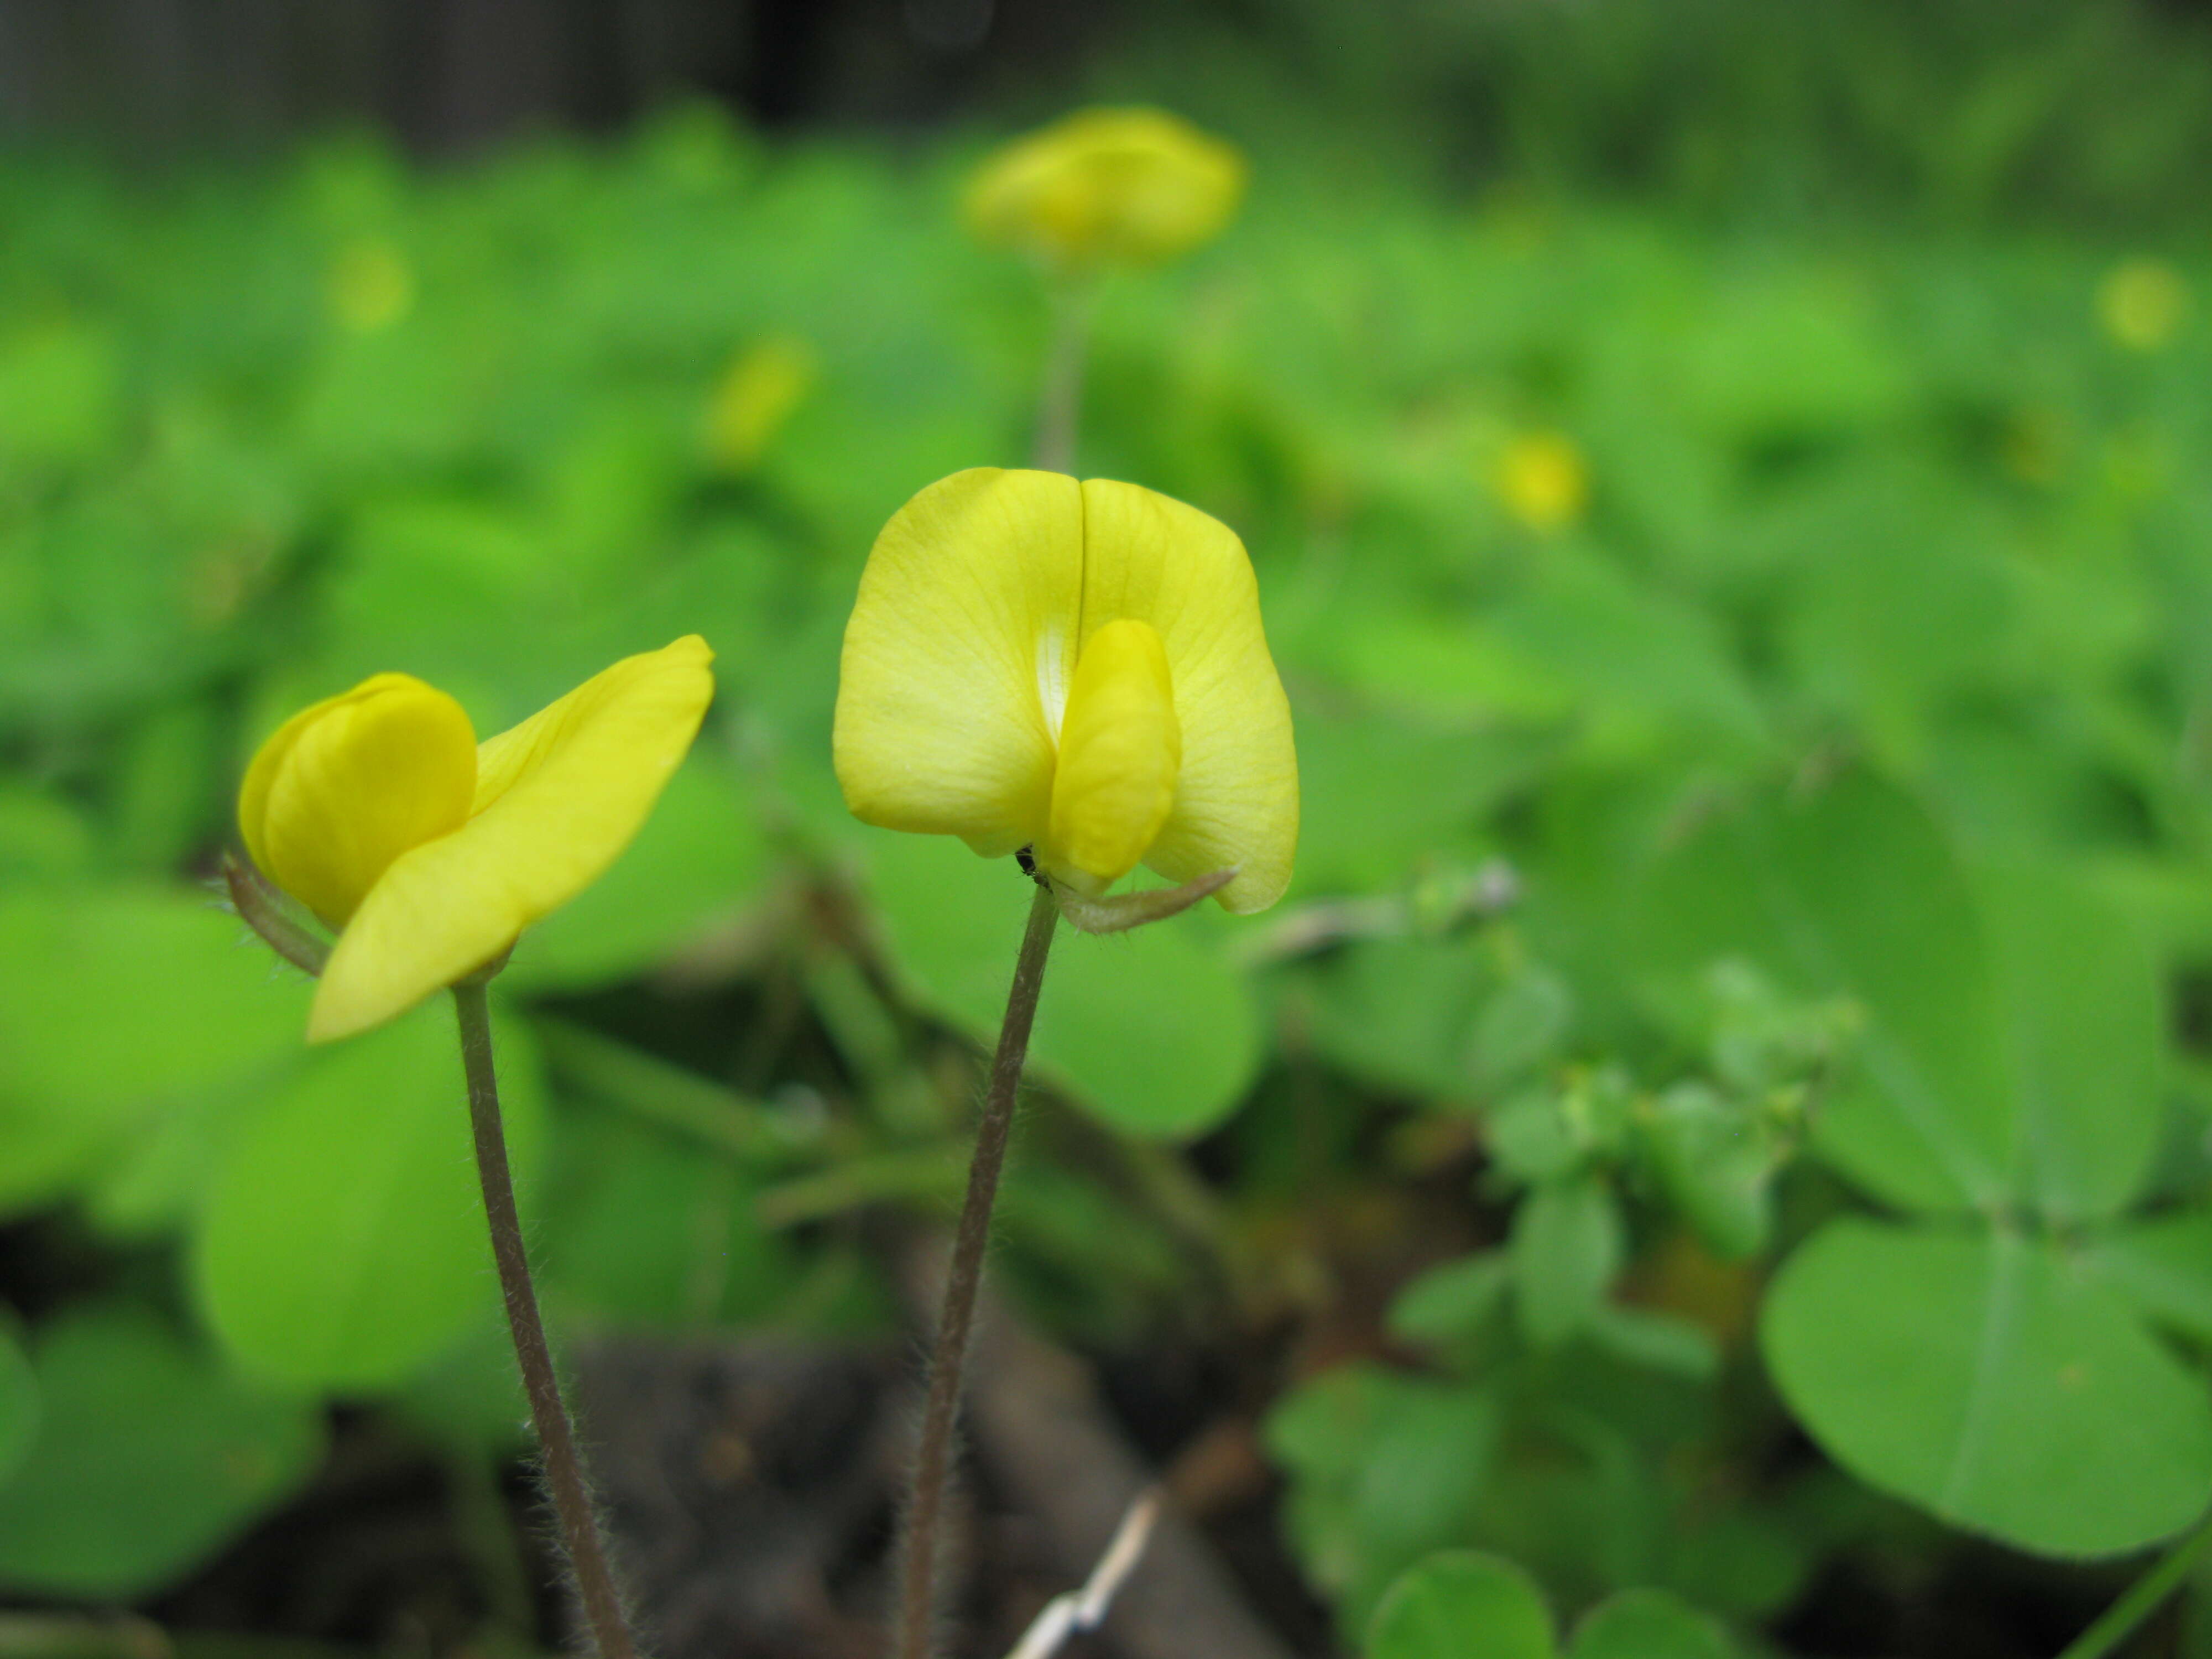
x=1729 y=489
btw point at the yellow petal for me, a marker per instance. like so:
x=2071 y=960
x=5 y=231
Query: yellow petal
x=957 y=659
x=1236 y=794
x=1120 y=747
x=1128 y=186
x=346 y=786
x=557 y=799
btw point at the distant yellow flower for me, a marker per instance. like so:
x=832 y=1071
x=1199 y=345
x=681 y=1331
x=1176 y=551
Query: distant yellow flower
x=1107 y=186
x=430 y=853
x=2143 y=303
x=1076 y=668
x=1545 y=482
x=370 y=285
x=756 y=396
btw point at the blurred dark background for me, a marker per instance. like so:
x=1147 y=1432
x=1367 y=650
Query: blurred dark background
x=1980 y=108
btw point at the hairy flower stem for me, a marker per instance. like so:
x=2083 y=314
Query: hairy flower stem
x=2141 y=1599
x=917 y=1607
x=564 y=1470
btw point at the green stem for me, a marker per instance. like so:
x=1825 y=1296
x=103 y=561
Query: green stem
x=2141 y=1599
x=1060 y=405
x=917 y=1610
x=557 y=1441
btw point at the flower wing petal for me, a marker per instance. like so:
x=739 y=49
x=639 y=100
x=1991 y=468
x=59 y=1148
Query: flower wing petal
x=558 y=797
x=347 y=785
x=1237 y=795
x=958 y=656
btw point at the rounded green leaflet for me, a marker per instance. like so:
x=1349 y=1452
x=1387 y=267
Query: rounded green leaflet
x=208 y=1012
x=1568 y=1243
x=1461 y=1605
x=1648 y=1624
x=2010 y=1048
x=1152 y=1029
x=1992 y=1379
x=149 y=1457
x=2083 y=1006
x=343 y=1244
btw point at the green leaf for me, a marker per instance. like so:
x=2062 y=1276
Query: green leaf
x=1649 y=1336
x=343 y=1244
x=1522 y=1026
x=18 y=1404
x=1151 y=1030
x=641 y=1229
x=2163 y=1267
x=1647 y=1624
x=114 y=1003
x=1463 y=1605
x=1716 y=1164
x=2084 y=1004
x=1988 y=1378
x=697 y=862
x=1454 y=1301
x=1402 y=1012
x=1532 y=1139
x=1852 y=891
x=1385 y=1467
x=1567 y=1245
x=149 y=1457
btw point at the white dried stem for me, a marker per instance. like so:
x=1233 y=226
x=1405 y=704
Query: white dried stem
x=1086 y=1609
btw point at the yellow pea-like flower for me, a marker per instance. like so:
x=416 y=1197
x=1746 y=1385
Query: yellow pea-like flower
x=428 y=852
x=2143 y=303
x=1107 y=186
x=1076 y=668
x=1545 y=482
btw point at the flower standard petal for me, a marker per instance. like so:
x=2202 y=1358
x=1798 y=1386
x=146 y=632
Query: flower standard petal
x=1237 y=793
x=557 y=799
x=958 y=656
x=347 y=785
x=1120 y=747
x=1134 y=186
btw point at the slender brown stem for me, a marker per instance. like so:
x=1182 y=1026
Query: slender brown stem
x=917 y=1611
x=564 y=1470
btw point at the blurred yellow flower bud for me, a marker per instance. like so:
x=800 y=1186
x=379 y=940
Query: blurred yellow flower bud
x=753 y=400
x=1107 y=186
x=1075 y=668
x=370 y=285
x=2143 y=303
x=430 y=852
x=1544 y=481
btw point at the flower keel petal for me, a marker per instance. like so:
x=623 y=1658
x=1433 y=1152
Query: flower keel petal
x=1237 y=796
x=1120 y=749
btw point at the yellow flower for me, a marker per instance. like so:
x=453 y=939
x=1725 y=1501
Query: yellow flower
x=430 y=852
x=1544 y=481
x=370 y=285
x=1107 y=186
x=1076 y=668
x=756 y=396
x=2143 y=303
